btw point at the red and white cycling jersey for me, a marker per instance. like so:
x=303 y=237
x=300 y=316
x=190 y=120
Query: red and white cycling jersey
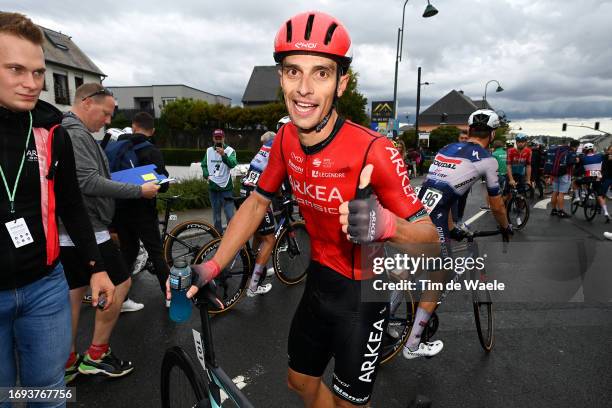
x=325 y=175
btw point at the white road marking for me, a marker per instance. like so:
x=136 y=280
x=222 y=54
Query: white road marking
x=475 y=217
x=541 y=205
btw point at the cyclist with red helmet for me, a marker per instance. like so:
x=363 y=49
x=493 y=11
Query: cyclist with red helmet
x=324 y=155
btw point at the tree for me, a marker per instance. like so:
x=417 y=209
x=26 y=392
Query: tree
x=443 y=135
x=410 y=138
x=352 y=104
x=120 y=121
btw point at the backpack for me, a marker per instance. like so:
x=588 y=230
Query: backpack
x=558 y=160
x=122 y=155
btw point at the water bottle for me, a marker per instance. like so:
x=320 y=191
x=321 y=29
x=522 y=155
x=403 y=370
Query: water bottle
x=180 y=281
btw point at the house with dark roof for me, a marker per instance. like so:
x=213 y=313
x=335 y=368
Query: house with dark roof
x=153 y=98
x=263 y=87
x=453 y=109
x=67 y=68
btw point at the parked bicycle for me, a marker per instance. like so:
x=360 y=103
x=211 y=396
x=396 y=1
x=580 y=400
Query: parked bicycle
x=183 y=384
x=291 y=256
x=402 y=305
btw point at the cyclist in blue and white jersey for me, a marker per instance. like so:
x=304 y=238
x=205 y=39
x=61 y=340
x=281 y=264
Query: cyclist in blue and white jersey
x=455 y=168
x=591 y=163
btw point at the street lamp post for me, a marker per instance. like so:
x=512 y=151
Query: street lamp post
x=418 y=102
x=499 y=89
x=430 y=11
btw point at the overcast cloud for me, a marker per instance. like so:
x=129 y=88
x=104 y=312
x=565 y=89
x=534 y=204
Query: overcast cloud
x=551 y=56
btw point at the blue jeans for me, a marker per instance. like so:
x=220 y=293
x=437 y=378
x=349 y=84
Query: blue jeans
x=35 y=328
x=218 y=200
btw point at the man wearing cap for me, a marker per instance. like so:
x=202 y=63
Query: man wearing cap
x=216 y=165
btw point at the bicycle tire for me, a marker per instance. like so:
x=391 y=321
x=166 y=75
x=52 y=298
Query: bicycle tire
x=233 y=281
x=575 y=204
x=590 y=206
x=483 y=316
x=186 y=239
x=193 y=392
x=513 y=208
x=398 y=327
x=290 y=256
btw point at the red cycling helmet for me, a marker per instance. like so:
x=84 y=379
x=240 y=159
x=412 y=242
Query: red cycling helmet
x=314 y=32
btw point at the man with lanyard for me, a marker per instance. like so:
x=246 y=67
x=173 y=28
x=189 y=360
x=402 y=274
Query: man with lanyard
x=455 y=168
x=38 y=183
x=216 y=166
x=518 y=164
x=263 y=239
x=591 y=163
x=326 y=158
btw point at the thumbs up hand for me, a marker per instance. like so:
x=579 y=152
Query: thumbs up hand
x=363 y=219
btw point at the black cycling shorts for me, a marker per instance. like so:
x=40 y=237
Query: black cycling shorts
x=78 y=271
x=332 y=321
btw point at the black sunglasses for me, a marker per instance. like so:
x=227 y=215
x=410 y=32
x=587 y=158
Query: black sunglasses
x=103 y=91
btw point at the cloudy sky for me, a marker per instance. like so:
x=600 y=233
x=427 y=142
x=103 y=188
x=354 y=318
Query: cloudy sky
x=552 y=57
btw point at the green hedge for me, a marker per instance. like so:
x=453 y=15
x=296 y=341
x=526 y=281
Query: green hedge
x=194 y=194
x=184 y=157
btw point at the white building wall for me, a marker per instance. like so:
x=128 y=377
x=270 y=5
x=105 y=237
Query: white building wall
x=49 y=94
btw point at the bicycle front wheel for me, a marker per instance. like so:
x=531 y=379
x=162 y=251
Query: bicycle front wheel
x=291 y=254
x=233 y=280
x=401 y=318
x=186 y=240
x=182 y=386
x=518 y=212
x=483 y=315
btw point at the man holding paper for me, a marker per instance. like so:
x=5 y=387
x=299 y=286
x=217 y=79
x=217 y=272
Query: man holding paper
x=92 y=109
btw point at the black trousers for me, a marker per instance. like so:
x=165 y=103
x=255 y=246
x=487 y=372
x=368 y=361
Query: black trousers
x=136 y=224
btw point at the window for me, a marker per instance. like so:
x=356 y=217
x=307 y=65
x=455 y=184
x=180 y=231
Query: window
x=60 y=86
x=78 y=81
x=167 y=100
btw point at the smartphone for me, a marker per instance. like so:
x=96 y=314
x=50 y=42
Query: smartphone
x=219 y=145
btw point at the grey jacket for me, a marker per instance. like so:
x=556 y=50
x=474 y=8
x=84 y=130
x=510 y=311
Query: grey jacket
x=99 y=191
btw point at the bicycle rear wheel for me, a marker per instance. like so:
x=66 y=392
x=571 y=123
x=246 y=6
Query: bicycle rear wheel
x=518 y=211
x=186 y=239
x=182 y=385
x=233 y=280
x=291 y=254
x=483 y=314
x=590 y=206
x=401 y=318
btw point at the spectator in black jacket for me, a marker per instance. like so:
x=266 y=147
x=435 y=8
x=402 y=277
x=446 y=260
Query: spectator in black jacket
x=39 y=183
x=136 y=220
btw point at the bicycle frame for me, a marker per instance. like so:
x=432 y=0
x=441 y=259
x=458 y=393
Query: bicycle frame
x=217 y=378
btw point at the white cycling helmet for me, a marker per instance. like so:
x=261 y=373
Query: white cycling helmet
x=282 y=121
x=484 y=119
x=588 y=146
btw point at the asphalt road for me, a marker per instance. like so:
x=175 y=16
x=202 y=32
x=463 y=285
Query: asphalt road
x=553 y=331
